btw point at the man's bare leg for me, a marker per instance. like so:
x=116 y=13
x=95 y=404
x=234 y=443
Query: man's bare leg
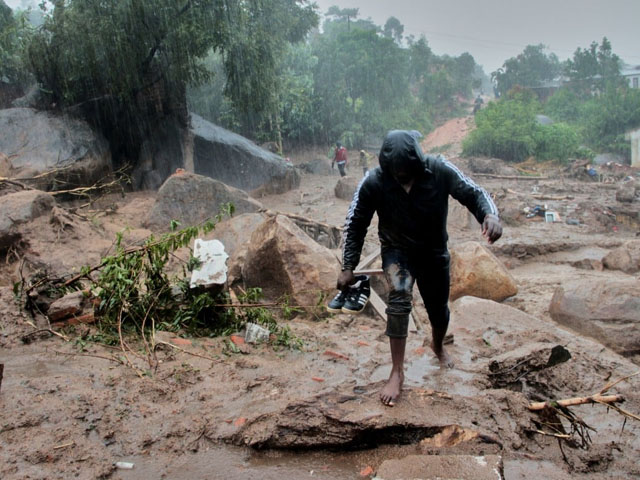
x=391 y=391
x=437 y=346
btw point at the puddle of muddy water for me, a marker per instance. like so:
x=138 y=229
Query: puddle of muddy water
x=425 y=372
x=234 y=463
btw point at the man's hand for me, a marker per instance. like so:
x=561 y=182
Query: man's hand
x=346 y=279
x=491 y=228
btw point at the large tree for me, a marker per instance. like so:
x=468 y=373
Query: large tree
x=125 y=64
x=529 y=69
x=594 y=68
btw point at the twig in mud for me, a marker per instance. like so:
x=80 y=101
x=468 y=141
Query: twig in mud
x=26 y=336
x=606 y=388
x=211 y=359
x=111 y=359
x=70 y=444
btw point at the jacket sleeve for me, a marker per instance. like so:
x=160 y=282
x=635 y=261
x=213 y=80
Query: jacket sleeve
x=356 y=224
x=467 y=192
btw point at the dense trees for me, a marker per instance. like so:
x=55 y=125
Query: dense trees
x=125 y=64
x=529 y=69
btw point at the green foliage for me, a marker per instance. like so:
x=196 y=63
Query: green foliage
x=14 y=34
x=529 y=69
x=125 y=64
x=557 y=141
x=607 y=118
x=593 y=69
x=505 y=129
x=135 y=292
x=563 y=106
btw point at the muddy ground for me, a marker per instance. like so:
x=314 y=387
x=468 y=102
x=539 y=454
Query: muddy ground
x=69 y=410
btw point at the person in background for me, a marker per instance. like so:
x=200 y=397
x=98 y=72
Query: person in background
x=340 y=158
x=364 y=161
x=410 y=192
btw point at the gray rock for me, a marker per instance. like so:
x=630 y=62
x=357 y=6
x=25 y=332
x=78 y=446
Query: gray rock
x=192 y=199
x=346 y=187
x=21 y=207
x=38 y=142
x=236 y=161
x=625 y=257
x=606 y=310
x=627 y=191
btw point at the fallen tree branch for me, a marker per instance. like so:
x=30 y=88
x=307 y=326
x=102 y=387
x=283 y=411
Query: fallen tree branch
x=510 y=177
x=570 y=402
x=611 y=384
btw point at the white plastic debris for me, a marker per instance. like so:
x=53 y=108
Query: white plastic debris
x=124 y=465
x=256 y=334
x=213 y=263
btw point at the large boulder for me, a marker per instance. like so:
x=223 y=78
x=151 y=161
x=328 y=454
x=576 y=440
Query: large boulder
x=191 y=199
x=346 y=187
x=606 y=310
x=18 y=208
x=237 y=161
x=477 y=272
x=38 y=142
x=236 y=231
x=283 y=260
x=625 y=257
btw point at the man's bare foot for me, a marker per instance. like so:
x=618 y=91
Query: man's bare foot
x=443 y=357
x=391 y=391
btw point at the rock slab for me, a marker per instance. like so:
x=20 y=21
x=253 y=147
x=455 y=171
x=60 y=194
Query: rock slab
x=442 y=467
x=606 y=310
x=192 y=199
x=21 y=207
x=237 y=161
x=38 y=142
x=283 y=260
x=477 y=272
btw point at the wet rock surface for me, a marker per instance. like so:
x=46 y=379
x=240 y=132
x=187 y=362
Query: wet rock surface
x=237 y=161
x=192 y=199
x=477 y=272
x=606 y=310
x=39 y=141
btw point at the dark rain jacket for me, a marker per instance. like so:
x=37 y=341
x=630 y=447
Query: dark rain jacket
x=414 y=221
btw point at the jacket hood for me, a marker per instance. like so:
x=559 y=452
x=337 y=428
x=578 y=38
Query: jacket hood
x=401 y=151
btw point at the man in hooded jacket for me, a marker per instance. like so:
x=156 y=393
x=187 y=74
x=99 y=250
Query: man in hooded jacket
x=410 y=192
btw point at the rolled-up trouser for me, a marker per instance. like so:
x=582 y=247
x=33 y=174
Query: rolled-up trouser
x=430 y=270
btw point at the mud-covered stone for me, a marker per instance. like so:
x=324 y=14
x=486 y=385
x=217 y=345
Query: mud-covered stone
x=18 y=208
x=606 y=310
x=477 y=272
x=70 y=304
x=191 y=199
x=442 y=467
x=627 y=191
x=625 y=257
x=283 y=260
x=346 y=187
x=509 y=368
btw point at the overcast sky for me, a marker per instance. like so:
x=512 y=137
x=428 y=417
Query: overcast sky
x=495 y=30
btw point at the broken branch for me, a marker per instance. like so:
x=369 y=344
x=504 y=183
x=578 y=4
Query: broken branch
x=570 y=402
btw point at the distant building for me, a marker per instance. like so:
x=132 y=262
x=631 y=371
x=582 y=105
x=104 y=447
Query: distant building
x=631 y=73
